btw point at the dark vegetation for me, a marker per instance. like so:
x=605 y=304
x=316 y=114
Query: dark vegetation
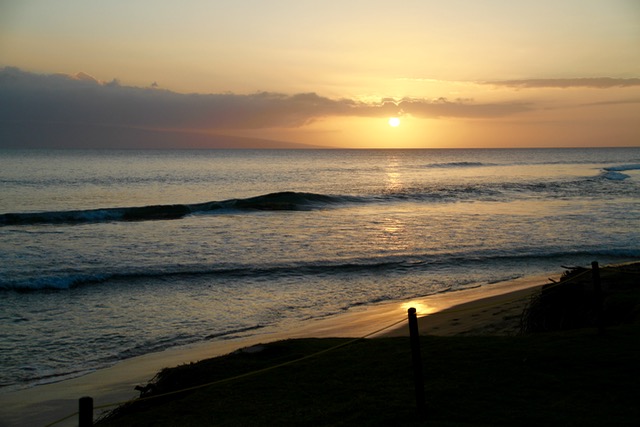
x=576 y=301
x=576 y=373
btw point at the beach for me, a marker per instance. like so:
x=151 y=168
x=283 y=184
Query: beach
x=136 y=253
x=489 y=309
x=115 y=265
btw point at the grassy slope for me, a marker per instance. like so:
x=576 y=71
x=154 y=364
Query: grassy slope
x=569 y=378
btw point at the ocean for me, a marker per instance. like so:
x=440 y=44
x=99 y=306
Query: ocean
x=106 y=255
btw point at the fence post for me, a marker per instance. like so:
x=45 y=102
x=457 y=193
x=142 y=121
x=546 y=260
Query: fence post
x=85 y=414
x=597 y=289
x=418 y=380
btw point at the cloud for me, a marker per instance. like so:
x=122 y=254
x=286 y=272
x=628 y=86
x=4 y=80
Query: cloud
x=611 y=103
x=442 y=107
x=86 y=77
x=595 y=82
x=83 y=100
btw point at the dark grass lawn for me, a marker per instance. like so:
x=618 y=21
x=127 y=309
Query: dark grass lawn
x=569 y=378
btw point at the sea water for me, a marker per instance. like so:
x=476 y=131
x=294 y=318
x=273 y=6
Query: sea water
x=106 y=255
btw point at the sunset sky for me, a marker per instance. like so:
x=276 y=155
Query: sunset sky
x=487 y=73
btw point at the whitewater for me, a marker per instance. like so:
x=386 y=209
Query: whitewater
x=106 y=255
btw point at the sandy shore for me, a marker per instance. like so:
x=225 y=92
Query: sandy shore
x=490 y=309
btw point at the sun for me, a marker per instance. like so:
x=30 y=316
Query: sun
x=394 y=122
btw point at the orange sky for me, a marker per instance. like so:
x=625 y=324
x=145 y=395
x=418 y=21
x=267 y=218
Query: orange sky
x=457 y=73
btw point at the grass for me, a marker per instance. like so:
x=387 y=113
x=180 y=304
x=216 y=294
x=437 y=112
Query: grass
x=568 y=377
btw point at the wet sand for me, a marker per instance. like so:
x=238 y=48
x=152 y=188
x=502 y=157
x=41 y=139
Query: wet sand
x=489 y=309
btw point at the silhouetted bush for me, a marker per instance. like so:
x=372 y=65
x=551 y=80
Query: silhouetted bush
x=574 y=303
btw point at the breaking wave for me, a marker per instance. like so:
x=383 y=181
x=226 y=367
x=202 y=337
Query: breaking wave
x=274 y=201
x=459 y=165
x=623 y=168
x=303 y=201
x=614 y=173
x=375 y=266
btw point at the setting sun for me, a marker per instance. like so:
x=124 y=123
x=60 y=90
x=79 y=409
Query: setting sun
x=394 y=122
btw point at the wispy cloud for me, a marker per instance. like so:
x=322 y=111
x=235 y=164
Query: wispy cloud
x=81 y=99
x=618 y=102
x=591 y=82
x=442 y=107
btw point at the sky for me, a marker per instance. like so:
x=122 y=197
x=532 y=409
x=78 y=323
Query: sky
x=456 y=74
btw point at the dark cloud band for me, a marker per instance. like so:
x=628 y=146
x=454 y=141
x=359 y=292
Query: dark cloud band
x=83 y=99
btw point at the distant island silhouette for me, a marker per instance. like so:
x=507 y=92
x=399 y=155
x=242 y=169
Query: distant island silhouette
x=92 y=136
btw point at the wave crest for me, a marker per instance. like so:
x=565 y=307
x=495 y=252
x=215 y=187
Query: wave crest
x=614 y=173
x=303 y=201
x=623 y=168
x=458 y=165
x=361 y=266
x=287 y=200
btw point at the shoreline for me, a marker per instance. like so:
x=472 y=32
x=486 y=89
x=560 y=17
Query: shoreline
x=480 y=309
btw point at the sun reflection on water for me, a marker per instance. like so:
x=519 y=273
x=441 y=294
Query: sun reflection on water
x=394 y=181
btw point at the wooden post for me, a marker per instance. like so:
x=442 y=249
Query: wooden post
x=85 y=414
x=416 y=358
x=597 y=289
